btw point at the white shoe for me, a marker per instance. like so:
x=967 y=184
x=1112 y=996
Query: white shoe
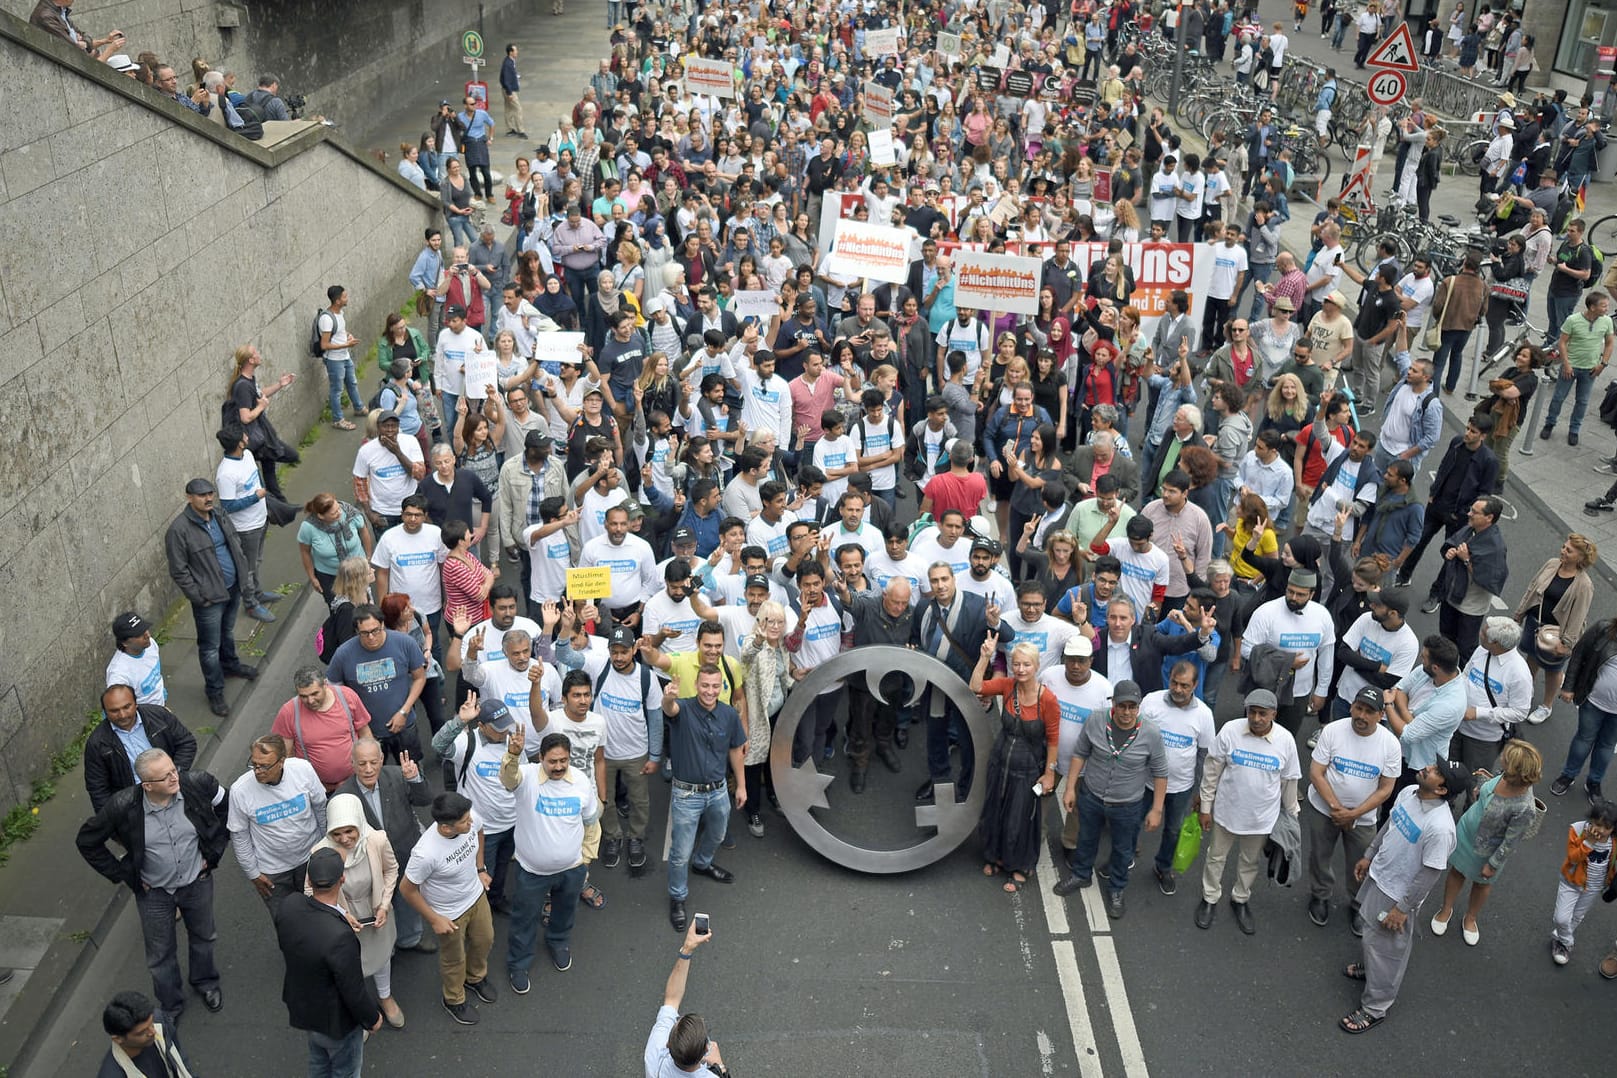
x=1439 y=927
x=1472 y=936
x=1538 y=715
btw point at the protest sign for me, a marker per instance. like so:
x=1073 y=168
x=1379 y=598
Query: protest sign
x=997 y=282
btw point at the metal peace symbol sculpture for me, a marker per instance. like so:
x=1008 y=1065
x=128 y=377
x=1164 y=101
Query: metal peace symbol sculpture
x=803 y=788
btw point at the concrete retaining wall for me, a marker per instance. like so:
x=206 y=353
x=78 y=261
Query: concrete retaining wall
x=139 y=245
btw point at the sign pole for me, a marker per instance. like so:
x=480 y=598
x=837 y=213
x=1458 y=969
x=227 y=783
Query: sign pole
x=1178 y=59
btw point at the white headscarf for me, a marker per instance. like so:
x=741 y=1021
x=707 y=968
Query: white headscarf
x=344 y=810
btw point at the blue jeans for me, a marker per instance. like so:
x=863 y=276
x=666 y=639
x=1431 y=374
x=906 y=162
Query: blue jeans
x=562 y=889
x=1261 y=273
x=614 y=13
x=1123 y=820
x=1174 y=809
x=342 y=1057
x=1584 y=380
x=1211 y=680
x=409 y=925
x=939 y=729
x=890 y=496
x=448 y=402
x=460 y=228
x=1450 y=349
x=340 y=376
x=157 y=928
x=1560 y=308
x=1597 y=730
x=216 y=640
x=498 y=846
x=689 y=811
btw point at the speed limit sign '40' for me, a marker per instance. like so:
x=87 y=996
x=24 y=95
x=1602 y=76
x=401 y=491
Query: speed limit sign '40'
x=1387 y=87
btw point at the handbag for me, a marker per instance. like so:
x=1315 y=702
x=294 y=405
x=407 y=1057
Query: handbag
x=1434 y=319
x=1189 y=846
x=423 y=303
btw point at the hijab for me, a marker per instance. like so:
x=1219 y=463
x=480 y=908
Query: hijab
x=344 y=810
x=608 y=296
x=557 y=305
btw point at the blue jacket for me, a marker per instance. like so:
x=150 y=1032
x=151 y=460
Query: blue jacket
x=510 y=81
x=1392 y=524
x=706 y=528
x=970 y=629
x=1004 y=427
x=1430 y=418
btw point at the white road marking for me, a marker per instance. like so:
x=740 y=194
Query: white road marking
x=1046 y=877
x=1047 y=1053
x=1072 y=992
x=1095 y=910
x=1117 y=999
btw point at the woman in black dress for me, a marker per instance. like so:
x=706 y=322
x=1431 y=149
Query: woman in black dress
x=1024 y=754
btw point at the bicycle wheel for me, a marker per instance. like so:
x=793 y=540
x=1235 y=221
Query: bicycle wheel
x=1470 y=160
x=1603 y=235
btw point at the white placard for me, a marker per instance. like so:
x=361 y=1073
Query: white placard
x=1002 y=56
x=553 y=349
x=997 y=282
x=760 y=304
x=882 y=42
x=713 y=77
x=879 y=252
x=949 y=45
x=882 y=153
x=482 y=371
x=879 y=106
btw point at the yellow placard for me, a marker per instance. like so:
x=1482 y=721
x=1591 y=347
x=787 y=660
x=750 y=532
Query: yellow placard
x=595 y=583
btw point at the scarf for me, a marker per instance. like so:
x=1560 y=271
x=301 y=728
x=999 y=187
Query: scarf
x=608 y=298
x=168 y=1054
x=554 y=306
x=344 y=810
x=338 y=529
x=946 y=630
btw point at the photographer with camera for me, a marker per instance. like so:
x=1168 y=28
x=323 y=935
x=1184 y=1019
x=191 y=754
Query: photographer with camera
x=678 y=1043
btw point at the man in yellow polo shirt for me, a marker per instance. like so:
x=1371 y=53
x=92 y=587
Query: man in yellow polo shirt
x=681 y=667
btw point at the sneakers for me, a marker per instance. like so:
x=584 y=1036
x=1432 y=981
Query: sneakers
x=1106 y=869
x=1561 y=785
x=462 y=1012
x=1606 y=467
x=1430 y=605
x=1560 y=953
x=611 y=852
x=1601 y=504
x=483 y=990
x=1366 y=408
x=1400 y=581
x=1167 y=882
x=637 y=855
x=1319 y=911
x=1592 y=791
x=1357 y=924
x=1313 y=739
x=519 y=982
x=1072 y=884
x=561 y=956
x=260 y=613
x=755 y=825
x=1114 y=905
x=1538 y=715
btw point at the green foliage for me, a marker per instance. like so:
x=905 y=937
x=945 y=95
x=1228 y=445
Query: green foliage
x=22 y=821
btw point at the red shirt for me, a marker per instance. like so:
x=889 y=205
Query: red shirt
x=325 y=738
x=809 y=402
x=963 y=492
x=1314 y=458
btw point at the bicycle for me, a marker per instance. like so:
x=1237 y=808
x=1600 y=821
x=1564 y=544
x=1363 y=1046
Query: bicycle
x=1602 y=235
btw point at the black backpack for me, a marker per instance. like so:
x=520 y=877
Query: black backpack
x=252 y=121
x=316 y=350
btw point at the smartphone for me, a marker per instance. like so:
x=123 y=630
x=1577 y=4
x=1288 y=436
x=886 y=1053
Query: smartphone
x=367 y=922
x=1038 y=789
x=701 y=924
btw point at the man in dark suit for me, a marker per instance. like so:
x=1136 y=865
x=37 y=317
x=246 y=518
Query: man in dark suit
x=952 y=627
x=172 y=829
x=1140 y=646
x=1103 y=452
x=111 y=748
x=387 y=794
x=1469 y=471
x=324 y=989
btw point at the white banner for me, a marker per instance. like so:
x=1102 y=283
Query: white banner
x=997 y=282
x=1159 y=269
x=882 y=42
x=554 y=349
x=882 y=153
x=878 y=106
x=761 y=304
x=879 y=252
x=949 y=45
x=713 y=77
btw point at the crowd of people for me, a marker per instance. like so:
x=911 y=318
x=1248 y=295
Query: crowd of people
x=1102 y=520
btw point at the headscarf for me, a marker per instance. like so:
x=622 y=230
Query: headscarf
x=608 y=296
x=557 y=306
x=344 y=810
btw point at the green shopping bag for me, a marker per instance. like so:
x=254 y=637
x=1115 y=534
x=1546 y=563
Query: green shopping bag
x=1190 y=843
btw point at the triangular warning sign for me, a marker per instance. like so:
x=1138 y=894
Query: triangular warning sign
x=1357 y=191
x=1397 y=53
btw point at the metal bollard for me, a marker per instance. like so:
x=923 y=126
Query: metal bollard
x=1530 y=435
x=1481 y=335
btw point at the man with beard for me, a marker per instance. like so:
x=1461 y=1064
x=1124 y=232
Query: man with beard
x=1352 y=772
x=1034 y=626
x=1080 y=692
x=1393 y=524
x=983 y=576
x=1378 y=649
x=1297 y=624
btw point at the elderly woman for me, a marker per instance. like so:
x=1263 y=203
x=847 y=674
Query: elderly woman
x=1503 y=814
x=1024 y=755
x=331 y=531
x=766 y=679
x=1553 y=614
x=370 y=874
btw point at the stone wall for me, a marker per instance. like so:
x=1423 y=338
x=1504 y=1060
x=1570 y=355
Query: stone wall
x=343 y=55
x=139 y=245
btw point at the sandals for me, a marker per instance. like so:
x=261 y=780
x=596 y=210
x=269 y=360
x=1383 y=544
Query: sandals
x=1360 y=1021
x=990 y=870
x=1015 y=883
x=592 y=897
x=1354 y=972
x=343 y=424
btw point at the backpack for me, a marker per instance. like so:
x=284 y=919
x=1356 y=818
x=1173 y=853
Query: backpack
x=1597 y=265
x=325 y=637
x=316 y=350
x=645 y=679
x=251 y=120
x=376 y=398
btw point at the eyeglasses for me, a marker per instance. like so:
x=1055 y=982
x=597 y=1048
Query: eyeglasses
x=1301 y=355
x=1237 y=329
x=379 y=631
x=259 y=769
x=160 y=779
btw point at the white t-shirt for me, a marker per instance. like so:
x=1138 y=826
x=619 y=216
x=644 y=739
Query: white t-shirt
x=592 y=513
x=551 y=557
x=583 y=738
x=822 y=639
x=865 y=537
x=882 y=436
x=454 y=350
x=1247 y=801
x=494 y=638
x=493 y=805
x=237 y=477
x=772 y=537
x=552 y=817
x=633 y=565
x=1421 y=290
x=1048 y=634
x=1277 y=46
x=1142 y=573
x=766 y=404
x=1311 y=633
x=995 y=588
x=971 y=338
x=1419 y=834
x=390 y=481
x=445 y=869
x=1322 y=512
x=504 y=682
x=1077 y=702
x=412 y=562
x=623 y=710
x=883 y=569
x=1398 y=649
x=1328 y=263
x=834 y=453
x=283 y=822
x=335 y=324
x=1163 y=186
x=143 y=673
x=926 y=551
x=1229 y=262
x=1355 y=765
x=1185 y=731
x=1190 y=183
x=662 y=612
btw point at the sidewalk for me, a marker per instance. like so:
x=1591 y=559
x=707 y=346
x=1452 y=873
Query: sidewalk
x=64 y=929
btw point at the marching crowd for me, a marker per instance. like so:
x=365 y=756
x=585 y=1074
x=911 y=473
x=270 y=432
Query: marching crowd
x=604 y=521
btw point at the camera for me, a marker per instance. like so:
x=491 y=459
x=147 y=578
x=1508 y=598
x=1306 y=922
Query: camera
x=295 y=104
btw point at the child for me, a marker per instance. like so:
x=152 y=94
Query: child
x=1584 y=875
x=834 y=454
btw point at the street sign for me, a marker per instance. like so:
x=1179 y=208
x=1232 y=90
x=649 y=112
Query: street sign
x=471 y=43
x=1357 y=191
x=1397 y=53
x=475 y=61
x=1387 y=87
